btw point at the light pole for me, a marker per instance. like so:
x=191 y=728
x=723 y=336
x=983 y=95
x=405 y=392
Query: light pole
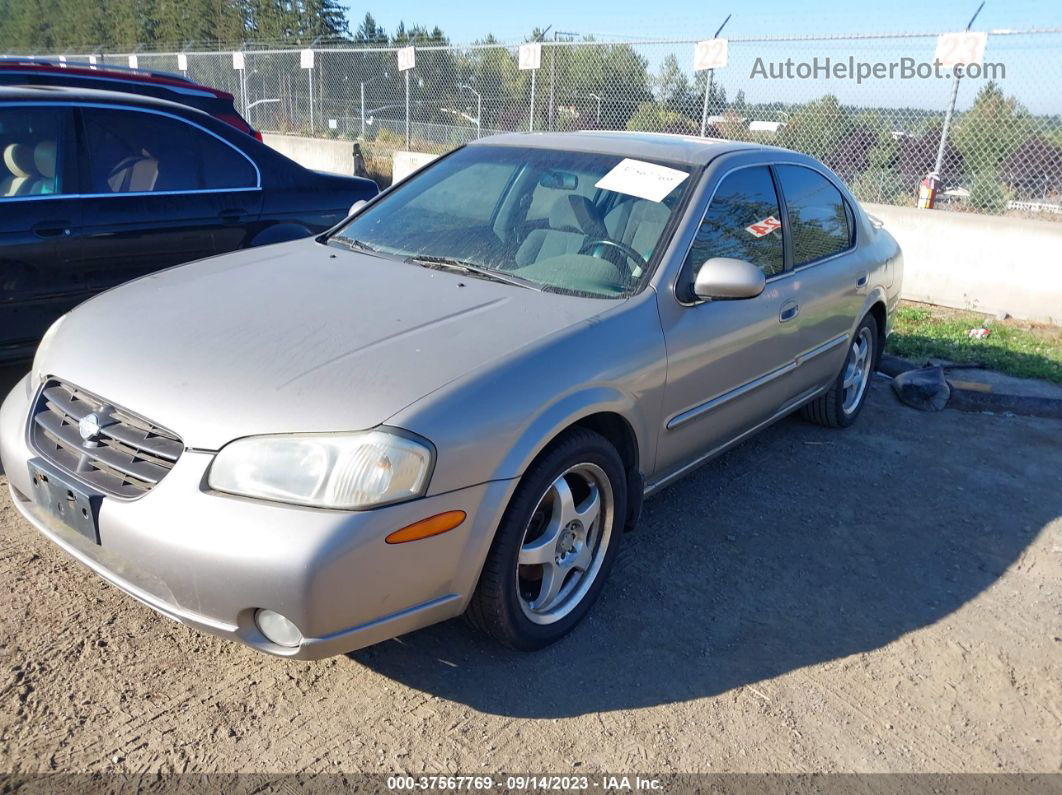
x=598 y=98
x=479 y=109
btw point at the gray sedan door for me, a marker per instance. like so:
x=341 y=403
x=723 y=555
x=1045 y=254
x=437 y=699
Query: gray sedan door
x=831 y=273
x=729 y=361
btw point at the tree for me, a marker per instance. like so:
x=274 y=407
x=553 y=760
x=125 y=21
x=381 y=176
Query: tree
x=817 y=128
x=652 y=117
x=369 y=32
x=1034 y=169
x=324 y=20
x=673 y=87
x=991 y=130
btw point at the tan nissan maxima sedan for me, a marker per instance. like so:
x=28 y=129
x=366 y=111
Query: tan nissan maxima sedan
x=455 y=401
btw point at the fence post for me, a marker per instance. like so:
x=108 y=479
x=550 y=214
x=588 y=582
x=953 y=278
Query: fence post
x=407 y=109
x=531 y=122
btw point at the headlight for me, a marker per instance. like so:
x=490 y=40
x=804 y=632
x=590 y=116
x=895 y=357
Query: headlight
x=37 y=373
x=349 y=471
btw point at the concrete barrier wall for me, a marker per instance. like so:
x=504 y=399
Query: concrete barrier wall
x=405 y=163
x=981 y=262
x=320 y=154
x=324 y=154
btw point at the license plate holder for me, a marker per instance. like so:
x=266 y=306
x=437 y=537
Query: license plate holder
x=74 y=505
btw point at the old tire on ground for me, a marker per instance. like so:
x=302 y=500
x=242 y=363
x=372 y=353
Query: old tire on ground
x=840 y=405
x=555 y=545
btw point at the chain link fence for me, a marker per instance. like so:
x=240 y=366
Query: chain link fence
x=882 y=132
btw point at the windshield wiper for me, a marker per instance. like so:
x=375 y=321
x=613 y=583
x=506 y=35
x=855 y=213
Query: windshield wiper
x=355 y=245
x=432 y=261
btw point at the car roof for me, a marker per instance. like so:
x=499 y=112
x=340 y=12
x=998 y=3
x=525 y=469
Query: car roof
x=64 y=94
x=686 y=149
x=112 y=72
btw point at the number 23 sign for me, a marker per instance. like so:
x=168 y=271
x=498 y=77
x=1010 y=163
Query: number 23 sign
x=963 y=48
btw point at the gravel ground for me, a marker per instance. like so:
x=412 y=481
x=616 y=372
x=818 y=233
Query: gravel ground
x=887 y=598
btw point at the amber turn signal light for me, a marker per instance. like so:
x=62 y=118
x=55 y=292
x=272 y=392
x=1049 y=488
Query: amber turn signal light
x=426 y=528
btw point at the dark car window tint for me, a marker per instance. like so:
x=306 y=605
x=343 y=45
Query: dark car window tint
x=134 y=152
x=818 y=215
x=33 y=149
x=743 y=222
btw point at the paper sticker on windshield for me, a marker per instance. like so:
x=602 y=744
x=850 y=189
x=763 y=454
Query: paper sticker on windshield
x=641 y=179
x=764 y=227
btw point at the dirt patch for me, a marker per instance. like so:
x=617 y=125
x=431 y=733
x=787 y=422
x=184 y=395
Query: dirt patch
x=887 y=598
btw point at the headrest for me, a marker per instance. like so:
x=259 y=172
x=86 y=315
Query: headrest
x=577 y=213
x=44 y=159
x=652 y=212
x=19 y=160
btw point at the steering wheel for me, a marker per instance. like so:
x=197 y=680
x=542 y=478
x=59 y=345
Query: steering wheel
x=623 y=248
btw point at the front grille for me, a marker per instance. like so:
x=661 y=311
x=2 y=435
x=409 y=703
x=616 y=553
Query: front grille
x=125 y=458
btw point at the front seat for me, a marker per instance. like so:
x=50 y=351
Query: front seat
x=134 y=174
x=569 y=216
x=44 y=162
x=638 y=223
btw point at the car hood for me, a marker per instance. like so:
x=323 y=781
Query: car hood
x=296 y=337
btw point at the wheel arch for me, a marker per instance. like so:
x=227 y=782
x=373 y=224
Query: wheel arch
x=615 y=426
x=880 y=313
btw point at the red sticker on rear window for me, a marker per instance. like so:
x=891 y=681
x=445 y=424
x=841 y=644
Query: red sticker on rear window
x=764 y=227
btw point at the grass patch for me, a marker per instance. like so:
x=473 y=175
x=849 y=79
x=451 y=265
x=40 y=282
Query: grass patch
x=1014 y=347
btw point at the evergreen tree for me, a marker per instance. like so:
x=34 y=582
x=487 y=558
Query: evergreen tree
x=369 y=32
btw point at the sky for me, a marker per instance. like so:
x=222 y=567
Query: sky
x=468 y=20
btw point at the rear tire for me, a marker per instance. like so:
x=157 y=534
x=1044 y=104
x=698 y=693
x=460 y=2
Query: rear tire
x=840 y=405
x=555 y=545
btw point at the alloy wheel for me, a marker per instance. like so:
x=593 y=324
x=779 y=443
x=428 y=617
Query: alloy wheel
x=565 y=543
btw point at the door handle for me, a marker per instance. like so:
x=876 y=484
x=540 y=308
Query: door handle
x=790 y=309
x=862 y=280
x=232 y=215
x=51 y=228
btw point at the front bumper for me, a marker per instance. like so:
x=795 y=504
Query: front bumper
x=210 y=560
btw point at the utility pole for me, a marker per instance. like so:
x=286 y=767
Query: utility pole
x=951 y=105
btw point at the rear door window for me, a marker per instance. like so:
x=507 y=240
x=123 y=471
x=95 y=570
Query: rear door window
x=819 y=218
x=135 y=152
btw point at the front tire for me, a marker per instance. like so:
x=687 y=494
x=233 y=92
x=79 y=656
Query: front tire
x=841 y=404
x=555 y=545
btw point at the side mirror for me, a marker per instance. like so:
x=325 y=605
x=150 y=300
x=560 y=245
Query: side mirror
x=723 y=277
x=356 y=206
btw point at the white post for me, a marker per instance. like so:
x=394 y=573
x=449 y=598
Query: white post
x=407 y=109
x=310 y=73
x=531 y=123
x=707 y=93
x=362 y=110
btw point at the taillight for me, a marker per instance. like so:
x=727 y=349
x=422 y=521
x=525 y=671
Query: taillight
x=257 y=135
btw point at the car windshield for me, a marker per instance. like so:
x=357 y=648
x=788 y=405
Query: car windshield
x=572 y=222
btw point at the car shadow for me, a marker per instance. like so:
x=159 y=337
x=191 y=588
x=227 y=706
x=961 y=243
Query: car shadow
x=800 y=546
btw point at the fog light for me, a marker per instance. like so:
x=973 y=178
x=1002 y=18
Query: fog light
x=277 y=629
